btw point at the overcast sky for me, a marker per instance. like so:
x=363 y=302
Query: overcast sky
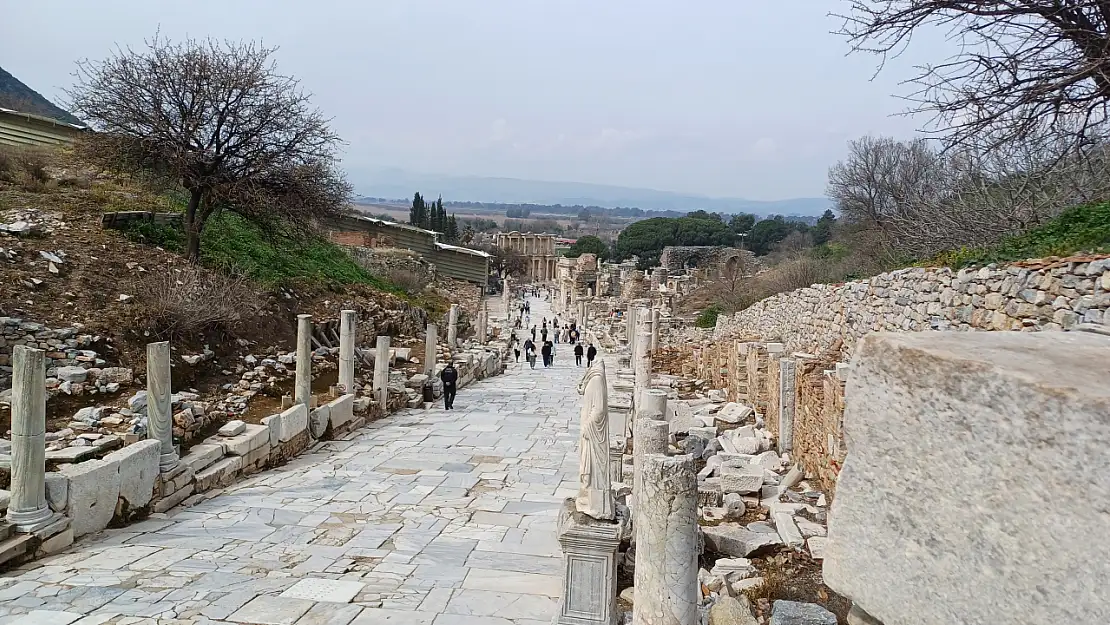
x=743 y=98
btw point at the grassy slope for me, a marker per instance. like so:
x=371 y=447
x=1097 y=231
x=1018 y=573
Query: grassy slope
x=1077 y=230
x=231 y=243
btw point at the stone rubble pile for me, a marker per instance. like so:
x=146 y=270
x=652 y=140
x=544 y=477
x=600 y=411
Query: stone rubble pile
x=755 y=511
x=72 y=367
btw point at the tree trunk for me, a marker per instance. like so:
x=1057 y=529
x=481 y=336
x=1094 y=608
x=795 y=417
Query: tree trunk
x=193 y=226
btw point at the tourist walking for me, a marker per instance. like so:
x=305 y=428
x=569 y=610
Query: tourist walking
x=530 y=352
x=449 y=376
x=591 y=353
x=578 y=351
x=546 y=352
x=543 y=334
x=533 y=333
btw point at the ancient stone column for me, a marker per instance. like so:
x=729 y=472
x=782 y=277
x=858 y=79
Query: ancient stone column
x=27 y=510
x=453 y=326
x=641 y=368
x=654 y=329
x=381 y=371
x=666 y=526
x=506 y=296
x=302 y=388
x=347 y=336
x=159 y=406
x=482 y=326
x=787 y=393
x=430 y=349
x=649 y=436
x=653 y=405
x=630 y=328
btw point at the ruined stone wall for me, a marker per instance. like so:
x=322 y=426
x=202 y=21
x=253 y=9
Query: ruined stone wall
x=1029 y=296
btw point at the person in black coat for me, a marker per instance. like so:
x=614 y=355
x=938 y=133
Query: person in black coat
x=591 y=353
x=449 y=376
x=578 y=355
x=546 y=352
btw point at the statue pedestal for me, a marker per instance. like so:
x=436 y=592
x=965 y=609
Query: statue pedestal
x=589 y=567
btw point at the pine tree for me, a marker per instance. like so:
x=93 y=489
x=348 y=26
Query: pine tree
x=418 y=212
x=441 y=216
x=452 y=229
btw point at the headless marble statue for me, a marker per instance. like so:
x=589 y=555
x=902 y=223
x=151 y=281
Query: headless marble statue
x=595 y=493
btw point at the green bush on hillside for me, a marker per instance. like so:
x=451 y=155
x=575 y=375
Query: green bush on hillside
x=1079 y=229
x=708 y=317
x=235 y=244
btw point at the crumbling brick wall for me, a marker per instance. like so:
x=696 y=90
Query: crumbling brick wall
x=818 y=441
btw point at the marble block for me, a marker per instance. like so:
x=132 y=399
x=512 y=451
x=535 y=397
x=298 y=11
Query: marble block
x=589 y=568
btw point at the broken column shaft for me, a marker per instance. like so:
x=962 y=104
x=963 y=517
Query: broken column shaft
x=667 y=590
x=381 y=371
x=347 y=337
x=27 y=509
x=453 y=326
x=159 y=404
x=430 y=349
x=302 y=389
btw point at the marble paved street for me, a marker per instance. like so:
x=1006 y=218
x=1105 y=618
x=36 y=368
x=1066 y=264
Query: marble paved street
x=426 y=517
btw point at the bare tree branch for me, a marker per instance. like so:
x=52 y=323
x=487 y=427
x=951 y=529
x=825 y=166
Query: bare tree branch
x=219 y=120
x=1025 y=67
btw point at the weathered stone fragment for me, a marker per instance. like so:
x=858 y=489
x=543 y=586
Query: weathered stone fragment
x=1005 y=432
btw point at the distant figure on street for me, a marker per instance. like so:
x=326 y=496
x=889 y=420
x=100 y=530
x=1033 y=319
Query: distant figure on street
x=591 y=353
x=530 y=352
x=449 y=376
x=543 y=333
x=546 y=352
x=578 y=351
x=533 y=333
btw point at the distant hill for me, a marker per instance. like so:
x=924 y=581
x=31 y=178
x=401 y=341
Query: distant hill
x=394 y=183
x=17 y=96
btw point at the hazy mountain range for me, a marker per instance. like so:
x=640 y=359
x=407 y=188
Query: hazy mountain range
x=395 y=183
x=19 y=97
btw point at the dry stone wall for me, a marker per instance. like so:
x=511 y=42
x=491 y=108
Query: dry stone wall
x=1029 y=296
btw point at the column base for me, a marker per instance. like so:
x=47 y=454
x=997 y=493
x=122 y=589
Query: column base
x=589 y=567
x=34 y=522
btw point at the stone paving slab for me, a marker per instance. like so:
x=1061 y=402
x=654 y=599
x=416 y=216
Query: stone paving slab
x=427 y=516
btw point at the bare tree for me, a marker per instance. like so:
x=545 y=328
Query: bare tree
x=219 y=120
x=1025 y=67
x=920 y=201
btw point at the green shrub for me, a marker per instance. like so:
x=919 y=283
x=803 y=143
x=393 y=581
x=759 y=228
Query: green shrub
x=234 y=244
x=708 y=317
x=1079 y=229
x=163 y=236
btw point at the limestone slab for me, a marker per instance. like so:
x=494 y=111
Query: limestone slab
x=138 y=468
x=319 y=589
x=341 y=410
x=203 y=455
x=330 y=614
x=1006 y=433
x=269 y=610
x=294 y=420
x=252 y=438
x=797 y=613
x=742 y=480
x=47 y=617
x=94 y=488
x=734 y=540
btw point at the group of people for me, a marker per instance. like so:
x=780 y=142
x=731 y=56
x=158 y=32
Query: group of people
x=567 y=333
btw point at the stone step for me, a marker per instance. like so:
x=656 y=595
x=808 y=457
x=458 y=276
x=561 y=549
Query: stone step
x=15 y=547
x=6 y=529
